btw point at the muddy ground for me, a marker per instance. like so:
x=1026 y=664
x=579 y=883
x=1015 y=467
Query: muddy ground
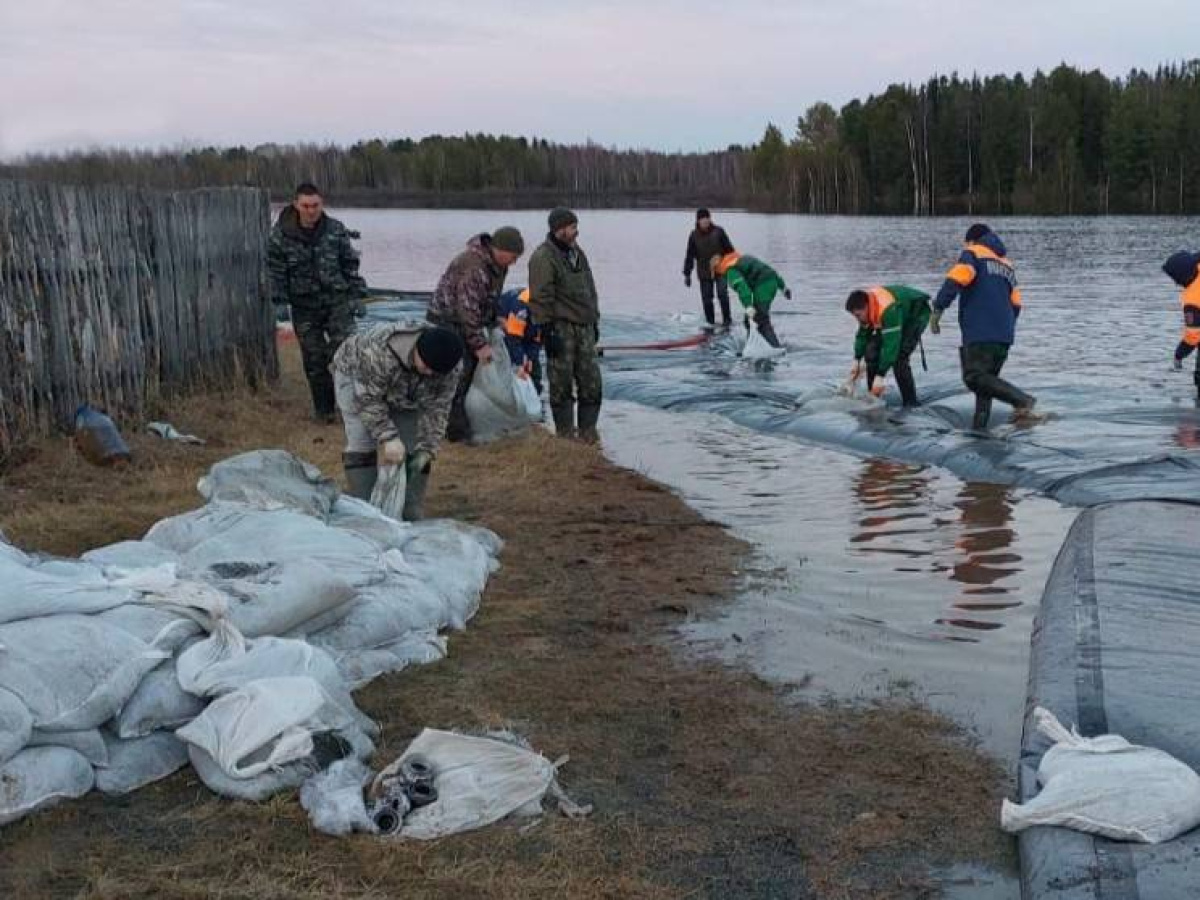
x=706 y=782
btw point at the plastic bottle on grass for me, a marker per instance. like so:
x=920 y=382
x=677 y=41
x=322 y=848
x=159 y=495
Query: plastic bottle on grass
x=97 y=438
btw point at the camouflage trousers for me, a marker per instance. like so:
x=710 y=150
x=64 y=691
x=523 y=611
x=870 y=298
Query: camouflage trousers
x=572 y=364
x=320 y=330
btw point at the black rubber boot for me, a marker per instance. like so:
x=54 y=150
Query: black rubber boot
x=906 y=385
x=589 y=415
x=324 y=402
x=414 y=496
x=983 y=412
x=361 y=472
x=564 y=419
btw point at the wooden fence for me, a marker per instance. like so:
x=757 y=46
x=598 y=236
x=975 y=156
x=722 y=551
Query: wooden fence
x=121 y=297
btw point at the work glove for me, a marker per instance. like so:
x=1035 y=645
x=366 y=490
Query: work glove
x=787 y=293
x=878 y=385
x=935 y=322
x=1176 y=364
x=687 y=280
x=419 y=463
x=391 y=453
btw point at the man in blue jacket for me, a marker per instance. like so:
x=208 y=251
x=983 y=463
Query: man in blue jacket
x=989 y=304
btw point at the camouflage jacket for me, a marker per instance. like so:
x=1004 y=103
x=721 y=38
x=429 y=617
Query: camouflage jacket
x=465 y=298
x=312 y=267
x=379 y=361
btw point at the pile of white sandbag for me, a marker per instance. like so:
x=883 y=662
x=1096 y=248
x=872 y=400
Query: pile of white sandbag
x=230 y=636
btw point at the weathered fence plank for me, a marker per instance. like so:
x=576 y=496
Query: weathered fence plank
x=118 y=297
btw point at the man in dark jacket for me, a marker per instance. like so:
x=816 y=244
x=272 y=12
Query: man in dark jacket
x=706 y=241
x=989 y=303
x=313 y=266
x=465 y=302
x=562 y=298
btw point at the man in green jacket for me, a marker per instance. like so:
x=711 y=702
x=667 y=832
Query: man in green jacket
x=562 y=299
x=756 y=285
x=313 y=266
x=891 y=320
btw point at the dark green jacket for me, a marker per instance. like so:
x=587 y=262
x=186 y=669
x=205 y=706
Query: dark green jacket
x=312 y=267
x=561 y=287
x=908 y=314
x=755 y=282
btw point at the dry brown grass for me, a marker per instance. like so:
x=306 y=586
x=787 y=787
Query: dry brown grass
x=705 y=783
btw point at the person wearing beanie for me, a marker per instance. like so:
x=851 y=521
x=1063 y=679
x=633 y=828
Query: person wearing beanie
x=564 y=303
x=394 y=386
x=1184 y=269
x=706 y=241
x=989 y=302
x=465 y=302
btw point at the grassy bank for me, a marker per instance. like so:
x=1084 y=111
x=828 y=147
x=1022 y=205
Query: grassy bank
x=705 y=782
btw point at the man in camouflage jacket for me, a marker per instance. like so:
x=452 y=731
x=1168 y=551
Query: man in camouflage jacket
x=314 y=267
x=465 y=302
x=394 y=385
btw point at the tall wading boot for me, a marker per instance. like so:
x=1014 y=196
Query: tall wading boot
x=767 y=330
x=324 y=401
x=564 y=419
x=983 y=412
x=414 y=495
x=361 y=472
x=589 y=415
x=906 y=385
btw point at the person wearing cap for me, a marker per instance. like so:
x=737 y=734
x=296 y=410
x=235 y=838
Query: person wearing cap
x=394 y=386
x=706 y=241
x=465 y=302
x=989 y=302
x=522 y=336
x=563 y=300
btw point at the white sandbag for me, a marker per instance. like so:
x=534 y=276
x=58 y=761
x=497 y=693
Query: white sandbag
x=479 y=781
x=460 y=585
x=72 y=672
x=270 y=479
x=531 y=403
x=48 y=590
x=494 y=403
x=383 y=613
x=16 y=725
x=166 y=627
x=131 y=555
x=756 y=346
x=361 y=518
x=158 y=703
x=390 y=488
x=179 y=534
x=225 y=661
x=255 y=789
x=1107 y=786
x=40 y=777
x=361 y=667
x=88 y=743
x=140 y=761
x=268 y=724
x=334 y=798
x=282 y=598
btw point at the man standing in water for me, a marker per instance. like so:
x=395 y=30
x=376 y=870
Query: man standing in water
x=706 y=241
x=756 y=285
x=1184 y=269
x=989 y=303
x=314 y=267
x=465 y=302
x=891 y=319
x=563 y=300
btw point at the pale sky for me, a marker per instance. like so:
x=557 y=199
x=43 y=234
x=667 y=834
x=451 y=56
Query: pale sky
x=667 y=75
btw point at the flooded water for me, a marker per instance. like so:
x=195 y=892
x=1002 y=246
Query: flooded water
x=896 y=553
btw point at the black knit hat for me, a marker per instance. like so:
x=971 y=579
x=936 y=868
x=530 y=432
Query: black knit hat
x=976 y=231
x=508 y=239
x=703 y=213
x=561 y=217
x=440 y=349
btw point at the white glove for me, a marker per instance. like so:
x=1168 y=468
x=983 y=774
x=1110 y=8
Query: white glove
x=391 y=453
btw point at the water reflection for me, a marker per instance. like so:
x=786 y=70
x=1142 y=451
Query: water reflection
x=985 y=555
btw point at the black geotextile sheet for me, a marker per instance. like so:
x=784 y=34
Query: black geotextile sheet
x=1116 y=649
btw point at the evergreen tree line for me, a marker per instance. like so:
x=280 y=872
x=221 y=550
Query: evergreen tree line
x=1063 y=142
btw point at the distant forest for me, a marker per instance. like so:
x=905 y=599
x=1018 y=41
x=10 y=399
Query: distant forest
x=1063 y=142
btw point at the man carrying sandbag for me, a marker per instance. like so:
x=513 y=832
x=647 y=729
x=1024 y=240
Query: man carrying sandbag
x=395 y=384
